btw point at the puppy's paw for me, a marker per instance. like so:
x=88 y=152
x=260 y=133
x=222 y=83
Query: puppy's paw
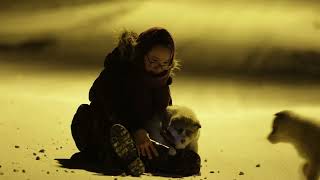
x=172 y=151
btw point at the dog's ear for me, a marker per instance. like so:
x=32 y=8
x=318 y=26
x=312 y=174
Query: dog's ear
x=197 y=125
x=283 y=114
x=171 y=110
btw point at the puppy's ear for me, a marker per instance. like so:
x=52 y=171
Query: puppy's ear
x=283 y=114
x=197 y=125
x=171 y=110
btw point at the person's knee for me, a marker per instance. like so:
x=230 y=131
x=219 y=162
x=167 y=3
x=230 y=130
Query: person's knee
x=79 y=126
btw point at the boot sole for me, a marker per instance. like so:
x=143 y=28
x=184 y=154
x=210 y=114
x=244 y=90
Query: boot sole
x=125 y=148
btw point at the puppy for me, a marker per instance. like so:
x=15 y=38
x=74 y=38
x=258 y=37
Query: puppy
x=178 y=128
x=304 y=134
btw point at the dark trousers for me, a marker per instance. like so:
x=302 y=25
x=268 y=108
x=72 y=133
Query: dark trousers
x=90 y=129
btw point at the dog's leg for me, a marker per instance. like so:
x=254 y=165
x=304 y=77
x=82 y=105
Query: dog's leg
x=312 y=170
x=193 y=146
x=305 y=169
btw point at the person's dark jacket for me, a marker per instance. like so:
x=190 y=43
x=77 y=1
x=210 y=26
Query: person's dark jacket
x=125 y=92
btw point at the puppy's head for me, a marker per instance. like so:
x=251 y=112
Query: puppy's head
x=282 y=127
x=183 y=126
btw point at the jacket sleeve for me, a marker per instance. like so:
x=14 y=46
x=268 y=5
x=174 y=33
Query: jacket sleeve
x=100 y=92
x=132 y=105
x=145 y=104
x=162 y=97
x=139 y=108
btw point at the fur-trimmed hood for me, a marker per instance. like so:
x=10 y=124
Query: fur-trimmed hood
x=125 y=52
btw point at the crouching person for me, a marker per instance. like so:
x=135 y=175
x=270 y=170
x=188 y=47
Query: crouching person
x=132 y=87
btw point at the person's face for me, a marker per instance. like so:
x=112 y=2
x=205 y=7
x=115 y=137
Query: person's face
x=157 y=60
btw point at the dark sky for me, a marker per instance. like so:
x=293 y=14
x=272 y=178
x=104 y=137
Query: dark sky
x=211 y=36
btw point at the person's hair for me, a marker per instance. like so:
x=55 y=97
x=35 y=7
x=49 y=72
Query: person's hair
x=153 y=37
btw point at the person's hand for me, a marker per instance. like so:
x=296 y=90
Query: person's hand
x=144 y=144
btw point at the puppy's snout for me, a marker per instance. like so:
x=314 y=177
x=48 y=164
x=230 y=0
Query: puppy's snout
x=271 y=138
x=183 y=140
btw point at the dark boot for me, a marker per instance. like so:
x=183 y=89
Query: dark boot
x=125 y=148
x=184 y=163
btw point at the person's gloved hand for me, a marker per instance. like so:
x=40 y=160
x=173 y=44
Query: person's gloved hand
x=144 y=144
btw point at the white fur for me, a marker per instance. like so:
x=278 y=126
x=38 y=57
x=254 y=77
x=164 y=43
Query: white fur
x=175 y=112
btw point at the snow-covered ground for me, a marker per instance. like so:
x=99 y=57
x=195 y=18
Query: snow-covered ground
x=236 y=115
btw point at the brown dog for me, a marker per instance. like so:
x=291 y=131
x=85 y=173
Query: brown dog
x=304 y=134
